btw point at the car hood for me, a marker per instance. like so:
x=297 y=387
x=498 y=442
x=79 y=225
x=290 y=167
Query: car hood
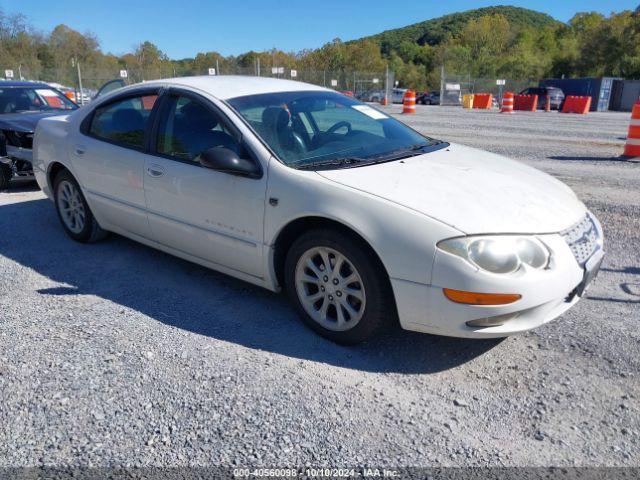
x=471 y=190
x=24 y=122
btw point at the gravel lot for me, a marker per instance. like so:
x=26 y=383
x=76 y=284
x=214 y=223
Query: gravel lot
x=114 y=354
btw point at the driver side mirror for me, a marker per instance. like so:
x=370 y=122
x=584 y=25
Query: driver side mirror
x=226 y=160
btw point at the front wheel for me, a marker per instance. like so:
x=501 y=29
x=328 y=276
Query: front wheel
x=73 y=210
x=339 y=289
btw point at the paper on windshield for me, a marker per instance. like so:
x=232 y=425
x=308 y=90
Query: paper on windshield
x=370 y=112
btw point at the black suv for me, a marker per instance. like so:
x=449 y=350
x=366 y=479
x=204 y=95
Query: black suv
x=555 y=95
x=428 y=98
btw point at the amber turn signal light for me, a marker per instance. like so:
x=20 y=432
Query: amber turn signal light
x=474 y=298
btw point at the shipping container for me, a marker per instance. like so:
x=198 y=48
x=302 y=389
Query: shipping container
x=599 y=89
x=624 y=94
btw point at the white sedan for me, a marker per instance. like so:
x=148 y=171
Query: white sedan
x=363 y=221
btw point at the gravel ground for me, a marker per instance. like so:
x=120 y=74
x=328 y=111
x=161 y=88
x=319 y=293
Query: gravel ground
x=114 y=354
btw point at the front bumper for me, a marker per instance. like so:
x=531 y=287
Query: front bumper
x=19 y=160
x=20 y=153
x=546 y=294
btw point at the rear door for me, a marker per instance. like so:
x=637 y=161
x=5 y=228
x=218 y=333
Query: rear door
x=108 y=158
x=208 y=214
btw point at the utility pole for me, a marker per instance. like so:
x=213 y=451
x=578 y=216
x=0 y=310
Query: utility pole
x=20 y=72
x=442 y=84
x=386 y=82
x=258 y=59
x=75 y=60
x=142 y=61
x=217 y=67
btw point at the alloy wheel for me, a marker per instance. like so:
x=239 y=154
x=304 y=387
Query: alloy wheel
x=71 y=206
x=330 y=288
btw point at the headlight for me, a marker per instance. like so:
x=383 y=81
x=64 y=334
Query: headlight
x=499 y=254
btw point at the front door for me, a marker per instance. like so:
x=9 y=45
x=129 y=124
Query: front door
x=208 y=214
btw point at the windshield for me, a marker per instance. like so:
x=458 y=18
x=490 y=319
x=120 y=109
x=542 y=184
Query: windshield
x=309 y=129
x=28 y=99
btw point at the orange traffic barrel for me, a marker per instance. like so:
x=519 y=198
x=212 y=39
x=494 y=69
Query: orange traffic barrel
x=409 y=102
x=384 y=101
x=632 y=147
x=507 y=103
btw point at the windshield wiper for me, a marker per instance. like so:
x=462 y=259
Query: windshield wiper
x=421 y=146
x=400 y=153
x=410 y=151
x=334 y=162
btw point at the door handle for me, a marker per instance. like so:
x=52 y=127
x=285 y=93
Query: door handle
x=80 y=150
x=155 y=170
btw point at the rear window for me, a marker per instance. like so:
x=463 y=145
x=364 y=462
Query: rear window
x=124 y=121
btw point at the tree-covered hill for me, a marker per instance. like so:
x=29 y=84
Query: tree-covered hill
x=437 y=30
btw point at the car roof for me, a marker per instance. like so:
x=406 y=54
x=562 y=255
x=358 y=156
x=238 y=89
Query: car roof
x=22 y=83
x=231 y=86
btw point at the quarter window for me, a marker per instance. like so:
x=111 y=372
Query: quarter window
x=187 y=128
x=123 y=121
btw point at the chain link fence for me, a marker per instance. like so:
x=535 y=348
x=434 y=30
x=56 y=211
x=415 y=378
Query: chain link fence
x=454 y=87
x=367 y=86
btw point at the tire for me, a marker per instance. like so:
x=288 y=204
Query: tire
x=370 y=295
x=5 y=177
x=73 y=211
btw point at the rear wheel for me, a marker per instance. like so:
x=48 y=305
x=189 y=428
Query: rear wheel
x=339 y=290
x=73 y=210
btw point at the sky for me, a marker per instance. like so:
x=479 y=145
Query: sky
x=183 y=28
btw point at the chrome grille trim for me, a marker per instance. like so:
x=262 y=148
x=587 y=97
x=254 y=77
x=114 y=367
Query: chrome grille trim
x=583 y=239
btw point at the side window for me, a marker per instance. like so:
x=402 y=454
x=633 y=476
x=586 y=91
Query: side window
x=123 y=121
x=187 y=128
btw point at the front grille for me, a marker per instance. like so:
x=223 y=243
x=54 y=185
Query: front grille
x=582 y=239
